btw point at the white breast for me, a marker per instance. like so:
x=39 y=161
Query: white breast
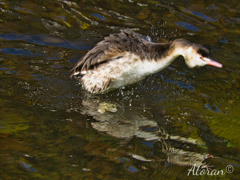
x=133 y=69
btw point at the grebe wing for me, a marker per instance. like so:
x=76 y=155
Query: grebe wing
x=112 y=47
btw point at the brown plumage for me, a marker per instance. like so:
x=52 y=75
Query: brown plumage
x=116 y=45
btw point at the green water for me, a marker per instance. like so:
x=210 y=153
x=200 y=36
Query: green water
x=50 y=128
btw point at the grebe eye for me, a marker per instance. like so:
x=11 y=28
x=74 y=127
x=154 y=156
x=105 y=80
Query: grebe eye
x=202 y=58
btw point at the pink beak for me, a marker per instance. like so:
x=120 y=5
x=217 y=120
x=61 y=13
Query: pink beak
x=212 y=63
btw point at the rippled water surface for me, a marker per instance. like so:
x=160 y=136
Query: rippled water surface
x=50 y=128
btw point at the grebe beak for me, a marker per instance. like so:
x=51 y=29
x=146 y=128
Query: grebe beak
x=212 y=63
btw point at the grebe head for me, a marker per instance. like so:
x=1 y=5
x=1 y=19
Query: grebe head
x=195 y=54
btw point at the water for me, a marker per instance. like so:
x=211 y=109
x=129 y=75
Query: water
x=50 y=128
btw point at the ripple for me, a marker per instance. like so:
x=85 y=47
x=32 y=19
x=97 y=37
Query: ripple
x=213 y=109
x=44 y=40
x=187 y=26
x=99 y=16
x=4 y=69
x=56 y=66
x=20 y=52
x=203 y=16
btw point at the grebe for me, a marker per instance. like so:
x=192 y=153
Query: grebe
x=128 y=57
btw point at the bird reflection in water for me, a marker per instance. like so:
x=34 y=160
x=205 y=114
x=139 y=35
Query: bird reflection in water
x=124 y=124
